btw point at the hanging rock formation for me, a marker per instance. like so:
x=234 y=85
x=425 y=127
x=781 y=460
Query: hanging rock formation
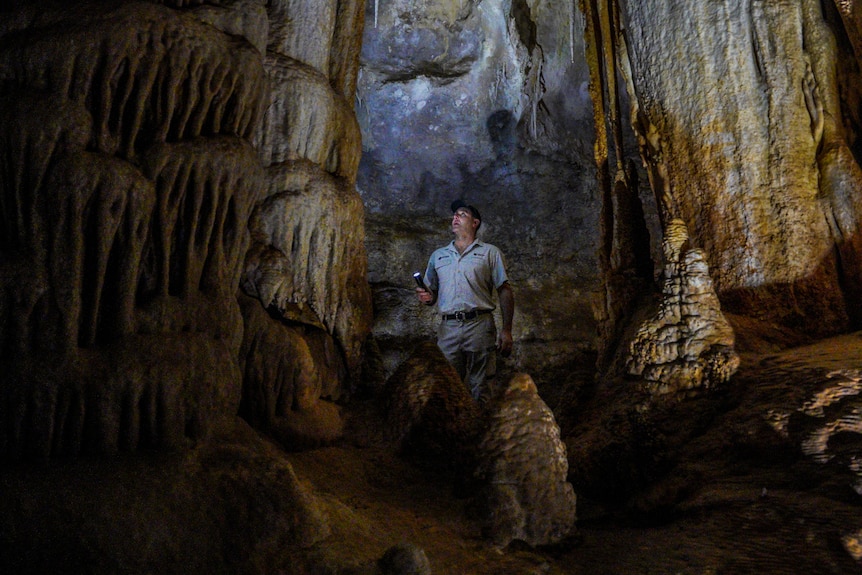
x=127 y=183
x=157 y=159
x=307 y=264
x=130 y=175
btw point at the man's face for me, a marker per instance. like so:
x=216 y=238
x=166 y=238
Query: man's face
x=463 y=220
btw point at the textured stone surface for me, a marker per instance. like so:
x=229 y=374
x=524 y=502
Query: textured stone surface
x=749 y=152
x=429 y=411
x=130 y=174
x=307 y=119
x=309 y=262
x=522 y=469
x=688 y=344
x=245 y=18
x=483 y=100
x=130 y=198
x=292 y=375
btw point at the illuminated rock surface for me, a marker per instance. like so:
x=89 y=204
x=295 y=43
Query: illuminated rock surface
x=186 y=192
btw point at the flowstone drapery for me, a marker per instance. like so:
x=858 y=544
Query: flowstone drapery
x=307 y=264
x=134 y=150
x=127 y=180
x=134 y=180
x=776 y=206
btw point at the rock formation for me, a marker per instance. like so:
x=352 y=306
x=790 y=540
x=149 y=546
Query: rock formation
x=128 y=180
x=430 y=413
x=134 y=169
x=186 y=189
x=688 y=343
x=760 y=134
x=522 y=470
x=155 y=159
x=307 y=264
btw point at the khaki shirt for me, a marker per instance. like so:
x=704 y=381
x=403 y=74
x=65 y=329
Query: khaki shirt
x=465 y=282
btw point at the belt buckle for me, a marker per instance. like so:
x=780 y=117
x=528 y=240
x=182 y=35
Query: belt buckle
x=461 y=315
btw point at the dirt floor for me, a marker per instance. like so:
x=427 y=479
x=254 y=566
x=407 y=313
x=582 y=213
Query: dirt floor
x=736 y=498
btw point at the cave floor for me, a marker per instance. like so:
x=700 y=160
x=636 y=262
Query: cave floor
x=742 y=502
x=735 y=493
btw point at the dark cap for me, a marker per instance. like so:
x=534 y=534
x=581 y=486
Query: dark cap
x=458 y=204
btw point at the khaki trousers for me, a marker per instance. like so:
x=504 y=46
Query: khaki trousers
x=471 y=347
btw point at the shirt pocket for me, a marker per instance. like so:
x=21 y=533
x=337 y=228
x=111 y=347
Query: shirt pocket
x=442 y=262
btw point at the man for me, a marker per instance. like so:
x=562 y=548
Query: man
x=461 y=278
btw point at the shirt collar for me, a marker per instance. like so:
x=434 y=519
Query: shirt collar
x=476 y=243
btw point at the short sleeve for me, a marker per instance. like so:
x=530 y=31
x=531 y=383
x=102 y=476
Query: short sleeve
x=498 y=268
x=431 y=279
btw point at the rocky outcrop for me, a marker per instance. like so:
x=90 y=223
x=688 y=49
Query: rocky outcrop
x=291 y=379
x=826 y=425
x=133 y=139
x=308 y=260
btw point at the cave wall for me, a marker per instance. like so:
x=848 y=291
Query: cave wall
x=486 y=100
x=740 y=121
x=154 y=158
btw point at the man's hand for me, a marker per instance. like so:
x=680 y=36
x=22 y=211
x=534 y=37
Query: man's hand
x=425 y=296
x=504 y=342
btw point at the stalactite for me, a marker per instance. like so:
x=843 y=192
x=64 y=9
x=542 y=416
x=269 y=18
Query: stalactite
x=308 y=120
x=177 y=79
x=572 y=32
x=78 y=220
x=126 y=184
x=206 y=190
x=313 y=265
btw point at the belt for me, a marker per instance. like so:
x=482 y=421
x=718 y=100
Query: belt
x=465 y=315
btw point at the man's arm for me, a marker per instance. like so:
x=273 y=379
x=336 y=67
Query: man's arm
x=507 y=309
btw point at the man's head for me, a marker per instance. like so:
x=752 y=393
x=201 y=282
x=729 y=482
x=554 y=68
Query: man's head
x=465 y=214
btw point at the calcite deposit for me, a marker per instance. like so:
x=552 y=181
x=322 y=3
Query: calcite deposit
x=740 y=127
x=130 y=179
x=522 y=470
x=429 y=411
x=136 y=196
x=187 y=189
x=688 y=344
